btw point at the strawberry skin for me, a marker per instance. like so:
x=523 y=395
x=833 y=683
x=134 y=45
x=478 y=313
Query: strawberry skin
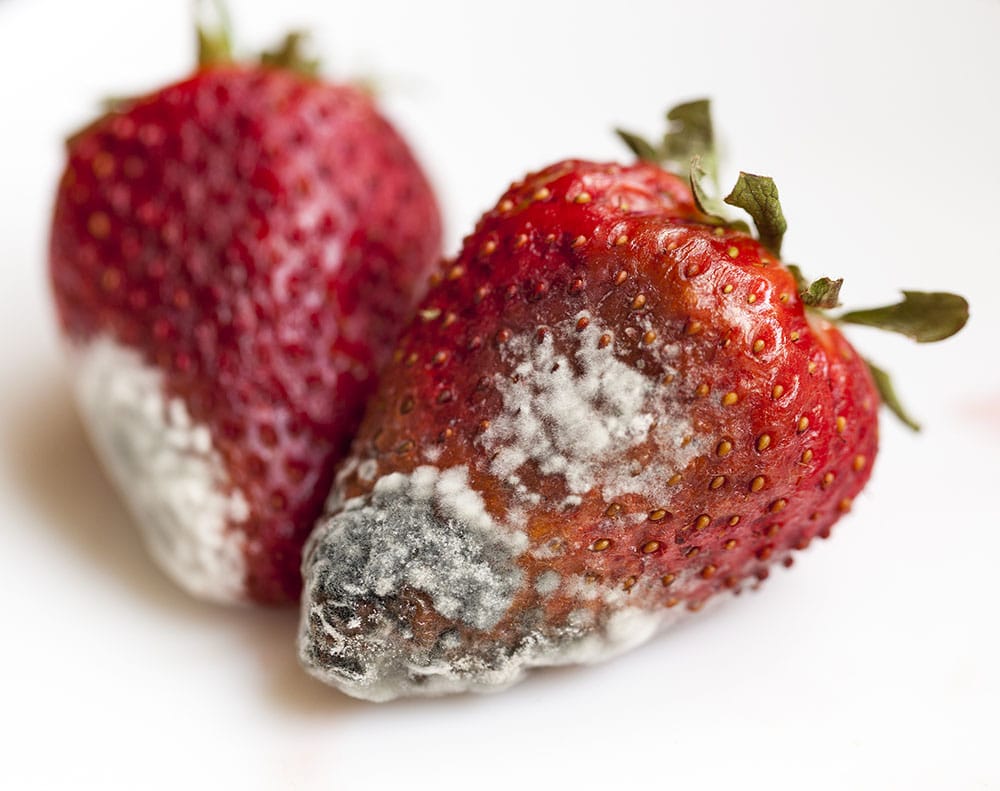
x=249 y=241
x=607 y=412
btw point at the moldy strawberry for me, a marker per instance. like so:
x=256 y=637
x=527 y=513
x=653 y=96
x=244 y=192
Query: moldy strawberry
x=614 y=407
x=231 y=257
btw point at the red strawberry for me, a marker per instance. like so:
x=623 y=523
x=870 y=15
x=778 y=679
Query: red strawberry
x=231 y=258
x=611 y=408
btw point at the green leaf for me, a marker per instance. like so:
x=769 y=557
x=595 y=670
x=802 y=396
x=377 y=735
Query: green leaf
x=758 y=197
x=823 y=293
x=690 y=134
x=215 y=32
x=706 y=205
x=291 y=54
x=639 y=146
x=888 y=395
x=924 y=316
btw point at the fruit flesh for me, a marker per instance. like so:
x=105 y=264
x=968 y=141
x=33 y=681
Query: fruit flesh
x=258 y=237
x=637 y=395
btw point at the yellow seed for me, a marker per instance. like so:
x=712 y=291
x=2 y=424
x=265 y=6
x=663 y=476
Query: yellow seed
x=828 y=479
x=658 y=515
x=783 y=297
x=674 y=479
x=621 y=240
x=841 y=424
x=807 y=456
x=708 y=571
x=620 y=277
x=666 y=579
x=520 y=241
x=600 y=545
x=733 y=252
x=694 y=327
x=845 y=504
x=613 y=510
x=639 y=302
x=763 y=442
x=757 y=483
x=812 y=367
x=794 y=335
x=717 y=481
x=628 y=583
x=650 y=546
x=702 y=390
x=489 y=247
x=649 y=337
x=777 y=391
x=727 y=289
x=724 y=448
x=456 y=272
x=803 y=424
x=580 y=241
x=583 y=197
x=859 y=463
x=99 y=225
x=702 y=522
x=733 y=521
x=103 y=164
x=729 y=399
x=505 y=205
x=111 y=279
x=542 y=194
x=730 y=544
x=752 y=298
x=758 y=346
x=778 y=505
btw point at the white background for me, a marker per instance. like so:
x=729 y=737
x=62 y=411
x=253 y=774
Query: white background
x=872 y=664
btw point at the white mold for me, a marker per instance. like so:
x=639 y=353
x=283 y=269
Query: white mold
x=166 y=469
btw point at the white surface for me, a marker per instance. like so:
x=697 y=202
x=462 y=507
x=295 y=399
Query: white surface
x=872 y=664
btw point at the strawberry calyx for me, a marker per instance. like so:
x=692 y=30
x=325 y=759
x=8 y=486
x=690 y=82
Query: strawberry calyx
x=923 y=316
x=214 y=31
x=689 y=134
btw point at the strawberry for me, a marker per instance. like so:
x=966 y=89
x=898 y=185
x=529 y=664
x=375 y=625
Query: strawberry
x=613 y=407
x=231 y=258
